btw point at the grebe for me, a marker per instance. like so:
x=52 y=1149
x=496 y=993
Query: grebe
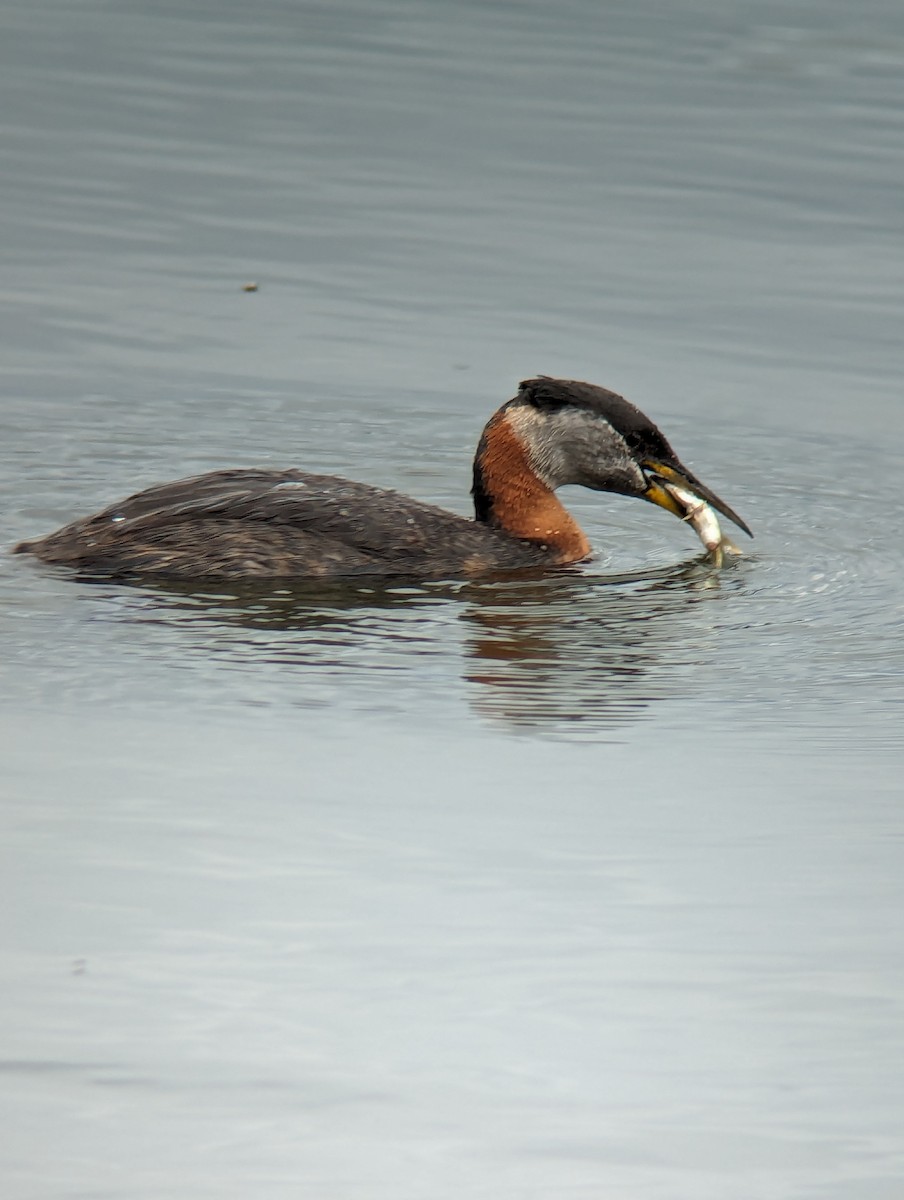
x=247 y=524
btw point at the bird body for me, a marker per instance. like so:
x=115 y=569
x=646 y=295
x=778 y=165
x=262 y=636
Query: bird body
x=284 y=524
x=289 y=524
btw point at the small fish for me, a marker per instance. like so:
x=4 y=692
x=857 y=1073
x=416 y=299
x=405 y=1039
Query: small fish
x=705 y=523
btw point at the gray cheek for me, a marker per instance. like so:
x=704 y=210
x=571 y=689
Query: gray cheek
x=577 y=448
x=600 y=460
x=618 y=476
x=563 y=449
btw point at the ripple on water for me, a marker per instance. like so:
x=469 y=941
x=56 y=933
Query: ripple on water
x=809 y=619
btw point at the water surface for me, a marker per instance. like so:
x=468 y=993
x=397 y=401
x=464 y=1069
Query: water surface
x=577 y=886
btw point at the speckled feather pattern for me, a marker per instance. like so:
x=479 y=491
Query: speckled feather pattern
x=280 y=524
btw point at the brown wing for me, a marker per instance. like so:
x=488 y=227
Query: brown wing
x=248 y=523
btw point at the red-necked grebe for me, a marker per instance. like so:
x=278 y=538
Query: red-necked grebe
x=247 y=524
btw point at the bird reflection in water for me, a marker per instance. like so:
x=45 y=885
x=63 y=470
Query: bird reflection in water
x=583 y=654
x=576 y=653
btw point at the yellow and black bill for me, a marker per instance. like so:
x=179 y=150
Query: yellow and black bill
x=658 y=473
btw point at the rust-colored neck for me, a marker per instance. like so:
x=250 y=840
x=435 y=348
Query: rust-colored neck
x=510 y=495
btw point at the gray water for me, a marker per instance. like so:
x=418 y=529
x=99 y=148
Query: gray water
x=582 y=886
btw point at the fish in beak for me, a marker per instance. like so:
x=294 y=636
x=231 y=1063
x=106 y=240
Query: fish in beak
x=666 y=479
x=674 y=488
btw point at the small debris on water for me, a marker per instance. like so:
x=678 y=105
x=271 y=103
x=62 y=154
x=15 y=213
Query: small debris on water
x=249 y=287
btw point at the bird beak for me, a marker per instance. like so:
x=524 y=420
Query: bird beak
x=657 y=471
